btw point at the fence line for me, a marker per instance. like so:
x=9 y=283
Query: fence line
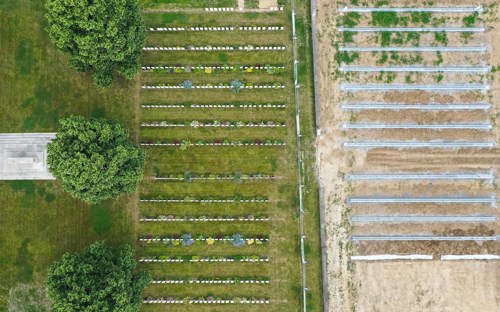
x=421 y=218
x=390 y=257
x=358 y=238
x=468 y=126
x=420 y=176
x=411 y=29
x=421 y=69
x=467 y=9
x=301 y=182
x=470 y=257
x=367 y=87
x=400 y=106
x=423 y=200
x=417 y=144
x=461 y=49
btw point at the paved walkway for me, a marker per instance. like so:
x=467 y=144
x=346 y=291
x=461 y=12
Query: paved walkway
x=23 y=156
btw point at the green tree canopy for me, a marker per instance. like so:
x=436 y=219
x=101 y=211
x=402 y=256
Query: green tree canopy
x=94 y=159
x=101 y=36
x=101 y=279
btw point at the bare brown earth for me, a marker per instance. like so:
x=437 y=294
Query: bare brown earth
x=428 y=286
x=407 y=286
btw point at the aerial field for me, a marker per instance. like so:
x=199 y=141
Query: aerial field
x=408 y=153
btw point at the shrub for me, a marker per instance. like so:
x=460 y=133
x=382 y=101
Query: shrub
x=99 y=279
x=101 y=36
x=94 y=159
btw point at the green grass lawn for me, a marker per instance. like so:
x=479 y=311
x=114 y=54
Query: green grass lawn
x=38 y=220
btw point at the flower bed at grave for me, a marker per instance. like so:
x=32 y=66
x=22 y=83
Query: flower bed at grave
x=205 y=300
x=174 y=218
x=212 y=199
x=224 y=142
x=208 y=69
x=188 y=176
x=191 y=105
x=204 y=259
x=189 y=240
x=215 y=124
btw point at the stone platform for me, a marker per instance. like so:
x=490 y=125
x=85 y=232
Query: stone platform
x=23 y=156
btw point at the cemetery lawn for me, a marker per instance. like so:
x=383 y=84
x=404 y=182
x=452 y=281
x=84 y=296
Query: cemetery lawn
x=283 y=249
x=38 y=221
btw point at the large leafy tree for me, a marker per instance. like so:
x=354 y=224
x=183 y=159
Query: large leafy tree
x=101 y=36
x=94 y=159
x=101 y=279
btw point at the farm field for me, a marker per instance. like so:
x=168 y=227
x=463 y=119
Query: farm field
x=38 y=221
x=219 y=207
x=408 y=154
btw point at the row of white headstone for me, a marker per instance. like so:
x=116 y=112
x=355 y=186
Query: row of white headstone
x=195 y=281
x=243 y=67
x=206 y=144
x=217 y=106
x=199 y=239
x=204 y=260
x=281 y=8
x=217 y=48
x=215 y=87
x=218 y=28
x=203 y=219
x=219 y=9
x=212 y=125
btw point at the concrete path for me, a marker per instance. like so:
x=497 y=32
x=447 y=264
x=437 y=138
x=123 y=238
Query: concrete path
x=23 y=156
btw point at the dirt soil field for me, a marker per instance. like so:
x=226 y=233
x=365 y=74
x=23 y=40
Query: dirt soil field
x=428 y=286
x=403 y=285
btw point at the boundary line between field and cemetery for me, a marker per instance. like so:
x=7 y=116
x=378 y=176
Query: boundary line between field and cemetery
x=299 y=157
x=322 y=227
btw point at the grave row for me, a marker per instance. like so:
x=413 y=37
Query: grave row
x=216 y=48
x=211 y=176
x=204 y=239
x=216 y=106
x=213 y=67
x=237 y=144
x=218 y=28
x=210 y=281
x=173 y=259
x=228 y=124
x=203 y=301
x=227 y=86
x=206 y=200
x=280 y=8
x=204 y=219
